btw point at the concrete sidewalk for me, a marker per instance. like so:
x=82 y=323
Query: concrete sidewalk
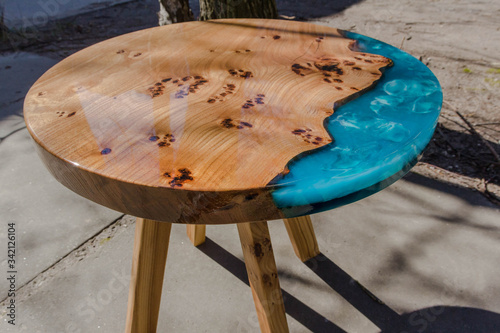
x=23 y=14
x=420 y=256
x=428 y=251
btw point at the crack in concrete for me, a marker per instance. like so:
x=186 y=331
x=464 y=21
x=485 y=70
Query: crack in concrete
x=13 y=132
x=11 y=102
x=101 y=235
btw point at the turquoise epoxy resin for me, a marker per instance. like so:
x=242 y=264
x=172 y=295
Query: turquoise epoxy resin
x=377 y=137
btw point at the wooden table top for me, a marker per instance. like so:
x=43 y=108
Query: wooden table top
x=231 y=120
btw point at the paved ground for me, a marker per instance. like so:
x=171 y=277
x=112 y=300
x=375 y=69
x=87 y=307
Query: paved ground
x=421 y=256
x=21 y=14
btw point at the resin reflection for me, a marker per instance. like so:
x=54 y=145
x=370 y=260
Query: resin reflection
x=377 y=136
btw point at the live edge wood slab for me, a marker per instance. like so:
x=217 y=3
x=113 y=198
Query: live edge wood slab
x=193 y=123
x=230 y=121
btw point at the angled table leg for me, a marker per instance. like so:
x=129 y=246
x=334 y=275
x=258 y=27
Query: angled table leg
x=263 y=276
x=148 y=266
x=196 y=233
x=301 y=233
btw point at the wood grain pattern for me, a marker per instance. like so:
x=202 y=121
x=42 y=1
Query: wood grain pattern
x=196 y=233
x=263 y=276
x=209 y=107
x=157 y=203
x=301 y=233
x=148 y=267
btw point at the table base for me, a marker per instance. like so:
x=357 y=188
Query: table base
x=150 y=255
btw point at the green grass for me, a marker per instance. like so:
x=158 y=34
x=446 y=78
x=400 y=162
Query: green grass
x=494 y=82
x=493 y=71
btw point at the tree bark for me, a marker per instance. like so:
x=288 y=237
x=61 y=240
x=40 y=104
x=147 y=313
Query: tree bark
x=174 y=11
x=215 y=9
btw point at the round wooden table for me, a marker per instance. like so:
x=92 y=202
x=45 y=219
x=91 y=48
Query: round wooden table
x=230 y=121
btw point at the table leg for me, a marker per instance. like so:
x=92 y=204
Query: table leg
x=196 y=233
x=148 y=267
x=301 y=233
x=263 y=276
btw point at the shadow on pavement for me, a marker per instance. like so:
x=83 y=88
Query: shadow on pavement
x=448 y=319
x=464 y=154
x=433 y=319
x=459 y=192
x=294 y=307
x=353 y=292
x=304 y=10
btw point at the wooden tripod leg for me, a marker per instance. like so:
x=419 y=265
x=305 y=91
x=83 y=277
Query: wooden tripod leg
x=148 y=267
x=301 y=233
x=263 y=276
x=196 y=233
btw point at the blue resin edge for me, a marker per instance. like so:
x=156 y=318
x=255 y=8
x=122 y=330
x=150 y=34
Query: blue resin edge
x=377 y=137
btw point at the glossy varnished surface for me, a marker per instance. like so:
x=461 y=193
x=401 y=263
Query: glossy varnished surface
x=198 y=122
x=199 y=106
x=378 y=137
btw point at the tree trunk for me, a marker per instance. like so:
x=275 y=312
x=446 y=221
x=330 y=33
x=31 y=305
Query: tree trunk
x=215 y=9
x=174 y=11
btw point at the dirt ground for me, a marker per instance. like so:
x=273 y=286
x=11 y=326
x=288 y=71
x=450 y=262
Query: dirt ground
x=457 y=40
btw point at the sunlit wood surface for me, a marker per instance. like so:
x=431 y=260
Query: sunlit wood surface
x=192 y=122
